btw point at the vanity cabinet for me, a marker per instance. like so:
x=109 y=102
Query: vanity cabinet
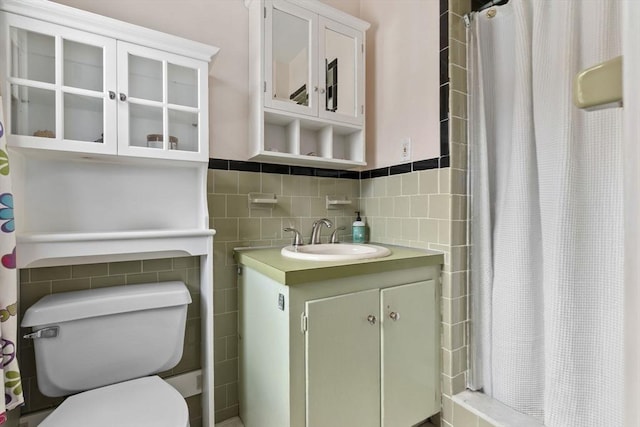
x=368 y=357
x=360 y=350
x=73 y=90
x=307 y=84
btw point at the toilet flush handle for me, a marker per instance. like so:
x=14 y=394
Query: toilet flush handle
x=50 y=332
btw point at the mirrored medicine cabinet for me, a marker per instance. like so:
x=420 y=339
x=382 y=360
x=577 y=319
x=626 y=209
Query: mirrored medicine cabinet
x=308 y=97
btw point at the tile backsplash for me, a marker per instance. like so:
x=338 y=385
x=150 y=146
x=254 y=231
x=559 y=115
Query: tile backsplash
x=300 y=200
x=411 y=209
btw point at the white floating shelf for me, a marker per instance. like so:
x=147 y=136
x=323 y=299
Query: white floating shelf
x=337 y=202
x=52 y=249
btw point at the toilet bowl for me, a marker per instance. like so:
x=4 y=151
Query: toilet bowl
x=102 y=347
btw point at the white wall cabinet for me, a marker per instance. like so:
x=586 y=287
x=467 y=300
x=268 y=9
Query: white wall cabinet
x=359 y=351
x=78 y=91
x=162 y=108
x=307 y=84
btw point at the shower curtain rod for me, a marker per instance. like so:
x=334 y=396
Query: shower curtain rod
x=487 y=5
x=490 y=3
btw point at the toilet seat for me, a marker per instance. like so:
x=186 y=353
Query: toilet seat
x=143 y=402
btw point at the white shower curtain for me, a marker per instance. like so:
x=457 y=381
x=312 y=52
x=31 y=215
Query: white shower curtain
x=546 y=214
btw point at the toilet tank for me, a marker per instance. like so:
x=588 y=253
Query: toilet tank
x=97 y=337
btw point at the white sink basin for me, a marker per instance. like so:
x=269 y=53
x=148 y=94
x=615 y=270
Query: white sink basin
x=335 y=252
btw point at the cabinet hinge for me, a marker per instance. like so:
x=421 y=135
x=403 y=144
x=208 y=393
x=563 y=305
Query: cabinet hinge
x=239 y=271
x=265 y=13
x=362 y=47
x=304 y=322
x=265 y=85
x=362 y=109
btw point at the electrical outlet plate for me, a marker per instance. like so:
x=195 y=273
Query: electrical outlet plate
x=405 y=147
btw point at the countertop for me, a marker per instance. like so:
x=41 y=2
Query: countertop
x=288 y=271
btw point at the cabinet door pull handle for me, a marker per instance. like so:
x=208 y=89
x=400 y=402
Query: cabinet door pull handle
x=123 y=97
x=394 y=316
x=371 y=319
x=112 y=95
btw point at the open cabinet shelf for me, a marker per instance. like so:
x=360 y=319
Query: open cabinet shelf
x=292 y=139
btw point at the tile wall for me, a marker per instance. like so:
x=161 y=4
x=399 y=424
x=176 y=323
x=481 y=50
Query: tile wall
x=454 y=301
x=38 y=282
x=408 y=205
x=411 y=208
x=301 y=200
x=455 y=321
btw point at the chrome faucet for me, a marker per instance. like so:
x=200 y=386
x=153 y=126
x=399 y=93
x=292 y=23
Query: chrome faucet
x=315 y=230
x=334 y=235
x=297 y=237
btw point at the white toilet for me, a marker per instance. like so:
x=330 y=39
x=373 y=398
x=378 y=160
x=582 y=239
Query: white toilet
x=103 y=344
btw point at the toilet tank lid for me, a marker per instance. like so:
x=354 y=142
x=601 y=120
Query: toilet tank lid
x=67 y=306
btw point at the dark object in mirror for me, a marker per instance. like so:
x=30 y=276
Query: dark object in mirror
x=300 y=96
x=332 y=85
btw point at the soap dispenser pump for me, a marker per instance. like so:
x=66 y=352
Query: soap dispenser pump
x=358 y=231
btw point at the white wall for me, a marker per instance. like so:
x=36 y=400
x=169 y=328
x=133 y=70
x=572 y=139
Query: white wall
x=402 y=79
x=402 y=61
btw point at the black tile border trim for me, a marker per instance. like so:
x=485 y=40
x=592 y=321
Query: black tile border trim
x=237 y=165
x=403 y=168
x=426 y=164
x=444 y=77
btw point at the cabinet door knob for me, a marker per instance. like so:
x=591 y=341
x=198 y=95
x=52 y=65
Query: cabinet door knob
x=315 y=88
x=321 y=90
x=112 y=95
x=394 y=316
x=123 y=97
x=371 y=319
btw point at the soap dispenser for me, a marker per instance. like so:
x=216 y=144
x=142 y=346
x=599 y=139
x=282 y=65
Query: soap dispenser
x=358 y=231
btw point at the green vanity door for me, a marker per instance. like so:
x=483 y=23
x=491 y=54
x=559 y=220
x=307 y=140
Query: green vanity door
x=343 y=360
x=410 y=367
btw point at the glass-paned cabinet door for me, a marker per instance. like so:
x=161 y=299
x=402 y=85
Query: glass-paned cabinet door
x=161 y=111
x=60 y=86
x=290 y=69
x=341 y=73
